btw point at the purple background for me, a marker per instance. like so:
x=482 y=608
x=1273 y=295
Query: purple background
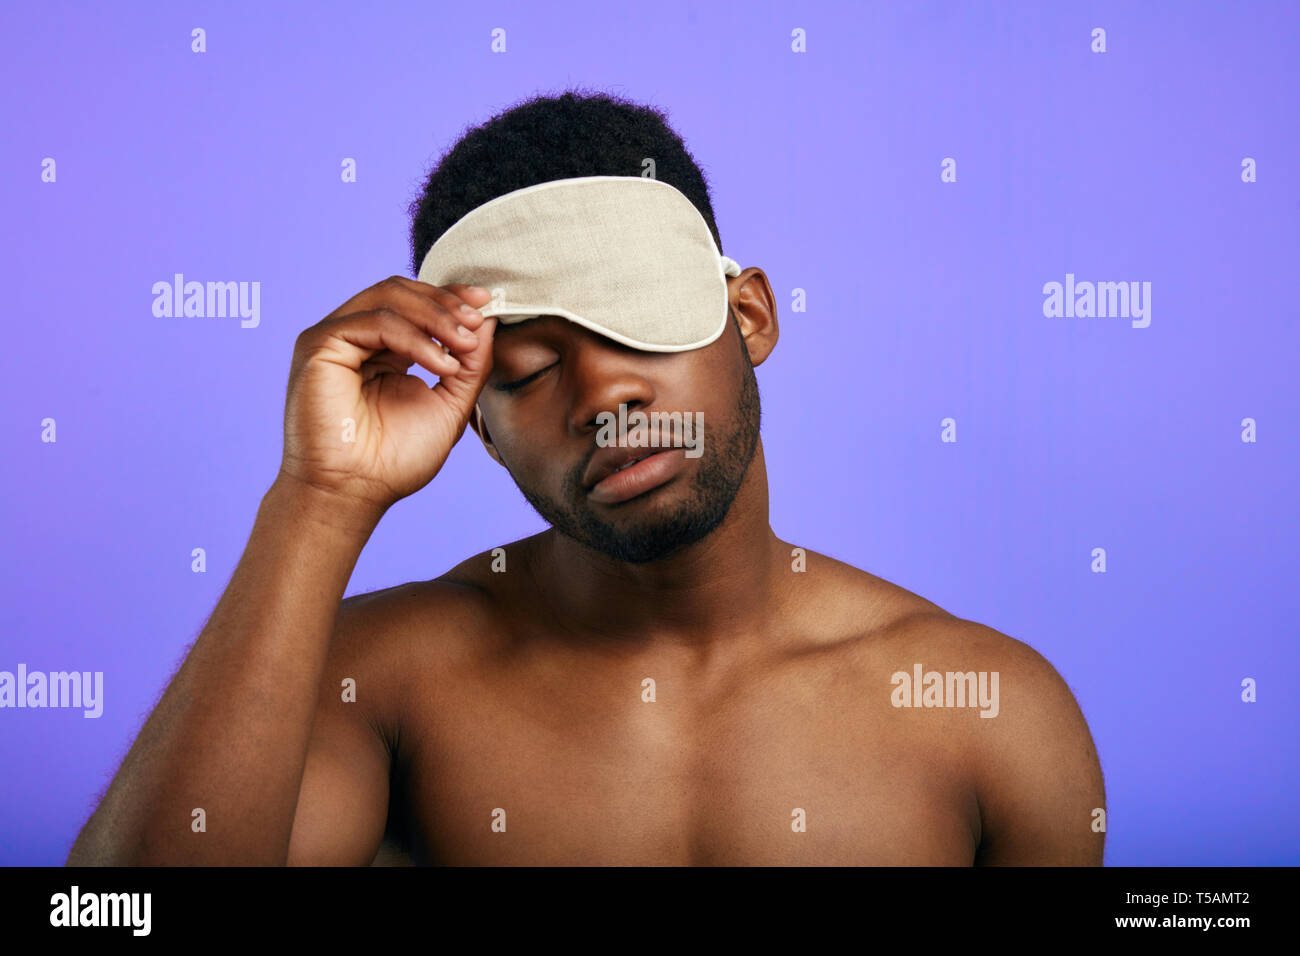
x=924 y=301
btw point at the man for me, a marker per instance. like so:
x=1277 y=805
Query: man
x=658 y=679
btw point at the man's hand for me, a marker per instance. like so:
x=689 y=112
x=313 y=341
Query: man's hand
x=355 y=424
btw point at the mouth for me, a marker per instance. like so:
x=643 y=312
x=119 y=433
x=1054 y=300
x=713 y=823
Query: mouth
x=637 y=475
x=614 y=459
x=629 y=464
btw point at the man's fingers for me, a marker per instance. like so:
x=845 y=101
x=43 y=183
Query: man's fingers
x=384 y=362
x=474 y=295
x=440 y=312
x=476 y=364
x=374 y=332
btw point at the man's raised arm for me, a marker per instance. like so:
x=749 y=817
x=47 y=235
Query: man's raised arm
x=214 y=775
x=231 y=743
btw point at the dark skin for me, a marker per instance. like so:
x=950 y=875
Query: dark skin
x=524 y=691
x=660 y=681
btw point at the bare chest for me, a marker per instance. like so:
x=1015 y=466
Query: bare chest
x=603 y=769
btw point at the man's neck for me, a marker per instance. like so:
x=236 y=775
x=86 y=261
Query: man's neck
x=718 y=589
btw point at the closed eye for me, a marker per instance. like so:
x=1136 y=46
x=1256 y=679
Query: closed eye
x=520 y=383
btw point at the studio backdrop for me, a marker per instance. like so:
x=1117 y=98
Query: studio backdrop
x=1035 y=269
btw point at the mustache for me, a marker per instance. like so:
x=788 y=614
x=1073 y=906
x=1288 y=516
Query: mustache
x=573 y=481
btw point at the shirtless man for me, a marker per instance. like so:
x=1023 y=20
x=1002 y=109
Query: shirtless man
x=657 y=679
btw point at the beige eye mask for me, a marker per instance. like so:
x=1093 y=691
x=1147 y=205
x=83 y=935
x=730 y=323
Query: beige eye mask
x=629 y=258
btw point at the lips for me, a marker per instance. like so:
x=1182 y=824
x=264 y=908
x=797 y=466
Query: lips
x=609 y=460
x=639 y=477
x=630 y=463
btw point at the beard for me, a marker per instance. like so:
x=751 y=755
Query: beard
x=664 y=530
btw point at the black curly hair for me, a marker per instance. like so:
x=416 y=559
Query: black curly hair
x=575 y=133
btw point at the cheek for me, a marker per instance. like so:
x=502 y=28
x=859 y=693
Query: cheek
x=528 y=454
x=712 y=388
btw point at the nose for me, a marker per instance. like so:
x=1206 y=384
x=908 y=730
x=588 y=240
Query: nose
x=606 y=375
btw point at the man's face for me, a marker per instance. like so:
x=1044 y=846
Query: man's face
x=551 y=379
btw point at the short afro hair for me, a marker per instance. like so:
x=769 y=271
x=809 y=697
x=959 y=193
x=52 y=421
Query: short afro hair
x=553 y=137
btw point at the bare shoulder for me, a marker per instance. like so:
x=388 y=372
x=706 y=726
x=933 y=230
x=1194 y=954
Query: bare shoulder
x=886 y=616
x=889 y=624
x=376 y=632
x=1021 y=737
x=498 y=573
x=842 y=602
x=1028 y=750
x=392 y=647
x=344 y=813
x=395 y=629
x=470 y=588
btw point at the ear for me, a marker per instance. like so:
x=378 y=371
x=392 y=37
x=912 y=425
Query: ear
x=480 y=429
x=754 y=306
